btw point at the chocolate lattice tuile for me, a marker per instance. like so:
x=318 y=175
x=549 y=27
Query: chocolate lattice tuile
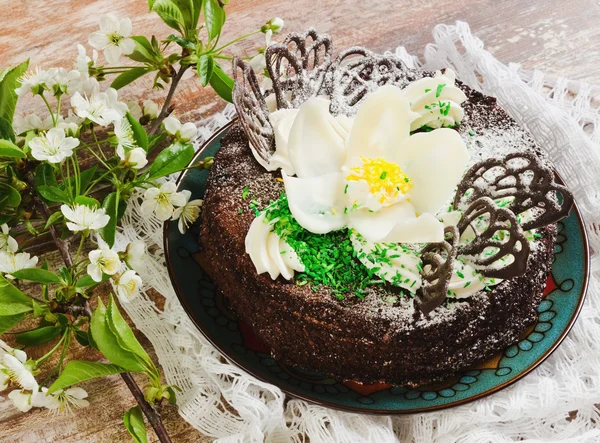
x=252 y=110
x=438 y=264
x=500 y=222
x=522 y=176
x=298 y=66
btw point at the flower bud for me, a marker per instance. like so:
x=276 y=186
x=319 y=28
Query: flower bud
x=275 y=25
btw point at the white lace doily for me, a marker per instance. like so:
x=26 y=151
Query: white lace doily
x=536 y=409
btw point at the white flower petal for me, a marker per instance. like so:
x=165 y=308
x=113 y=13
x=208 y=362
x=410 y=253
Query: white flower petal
x=112 y=53
x=423 y=229
x=172 y=125
x=127 y=46
x=381 y=124
x=375 y=226
x=317 y=202
x=21 y=400
x=435 y=162
x=125 y=27
x=316 y=143
x=109 y=24
x=98 y=40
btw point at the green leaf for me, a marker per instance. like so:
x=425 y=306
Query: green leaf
x=108 y=344
x=82 y=337
x=37 y=275
x=139 y=133
x=6 y=130
x=77 y=371
x=144 y=52
x=38 y=336
x=12 y=300
x=8 y=96
x=170 y=13
x=54 y=194
x=134 y=422
x=214 y=17
x=205 y=66
x=9 y=195
x=85 y=177
x=87 y=281
x=221 y=83
x=111 y=206
x=9 y=149
x=172 y=159
x=130 y=76
x=156 y=140
x=53 y=219
x=39 y=310
x=45 y=175
x=8 y=321
x=87 y=201
x=183 y=42
x=124 y=334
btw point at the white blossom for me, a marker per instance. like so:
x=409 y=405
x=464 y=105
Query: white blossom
x=181 y=132
x=21 y=399
x=134 y=159
x=135 y=109
x=5 y=349
x=187 y=213
x=36 y=82
x=7 y=243
x=135 y=255
x=102 y=261
x=128 y=285
x=61 y=400
x=161 y=201
x=150 y=109
x=18 y=373
x=124 y=135
x=64 y=81
x=83 y=218
x=82 y=61
x=10 y=262
x=113 y=38
x=53 y=146
x=102 y=108
x=31 y=122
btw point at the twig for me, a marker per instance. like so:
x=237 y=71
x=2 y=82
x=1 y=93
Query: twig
x=150 y=413
x=164 y=112
x=63 y=246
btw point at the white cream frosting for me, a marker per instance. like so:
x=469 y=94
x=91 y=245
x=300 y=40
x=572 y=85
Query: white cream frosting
x=270 y=253
x=436 y=101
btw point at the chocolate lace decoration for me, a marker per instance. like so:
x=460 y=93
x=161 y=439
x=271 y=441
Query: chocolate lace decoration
x=524 y=179
x=357 y=71
x=438 y=264
x=298 y=67
x=252 y=110
x=502 y=238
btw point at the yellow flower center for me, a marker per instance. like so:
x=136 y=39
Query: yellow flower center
x=384 y=178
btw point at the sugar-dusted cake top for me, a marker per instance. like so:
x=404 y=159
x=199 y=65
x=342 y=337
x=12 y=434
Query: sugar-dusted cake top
x=381 y=187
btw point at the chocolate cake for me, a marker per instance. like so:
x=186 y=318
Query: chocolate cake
x=382 y=333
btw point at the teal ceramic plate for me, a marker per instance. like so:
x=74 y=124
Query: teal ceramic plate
x=565 y=292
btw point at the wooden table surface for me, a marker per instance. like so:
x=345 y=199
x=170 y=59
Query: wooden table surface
x=551 y=35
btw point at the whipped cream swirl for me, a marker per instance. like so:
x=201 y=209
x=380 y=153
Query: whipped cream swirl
x=269 y=252
x=436 y=101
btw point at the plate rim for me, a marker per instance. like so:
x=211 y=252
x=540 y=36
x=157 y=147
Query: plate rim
x=291 y=392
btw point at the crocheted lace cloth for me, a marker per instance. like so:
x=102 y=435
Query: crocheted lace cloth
x=564 y=118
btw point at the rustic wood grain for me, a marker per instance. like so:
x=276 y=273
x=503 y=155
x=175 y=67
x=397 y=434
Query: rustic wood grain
x=551 y=35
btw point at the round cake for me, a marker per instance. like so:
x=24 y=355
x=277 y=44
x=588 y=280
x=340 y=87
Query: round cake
x=343 y=301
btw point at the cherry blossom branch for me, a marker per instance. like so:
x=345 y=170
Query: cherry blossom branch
x=165 y=111
x=63 y=246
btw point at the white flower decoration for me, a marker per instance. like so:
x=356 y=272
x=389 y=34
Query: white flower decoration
x=61 y=400
x=7 y=243
x=31 y=122
x=10 y=262
x=36 y=82
x=181 y=132
x=381 y=182
x=53 y=146
x=102 y=108
x=161 y=201
x=84 y=218
x=135 y=255
x=150 y=109
x=113 y=38
x=187 y=213
x=102 y=261
x=128 y=285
